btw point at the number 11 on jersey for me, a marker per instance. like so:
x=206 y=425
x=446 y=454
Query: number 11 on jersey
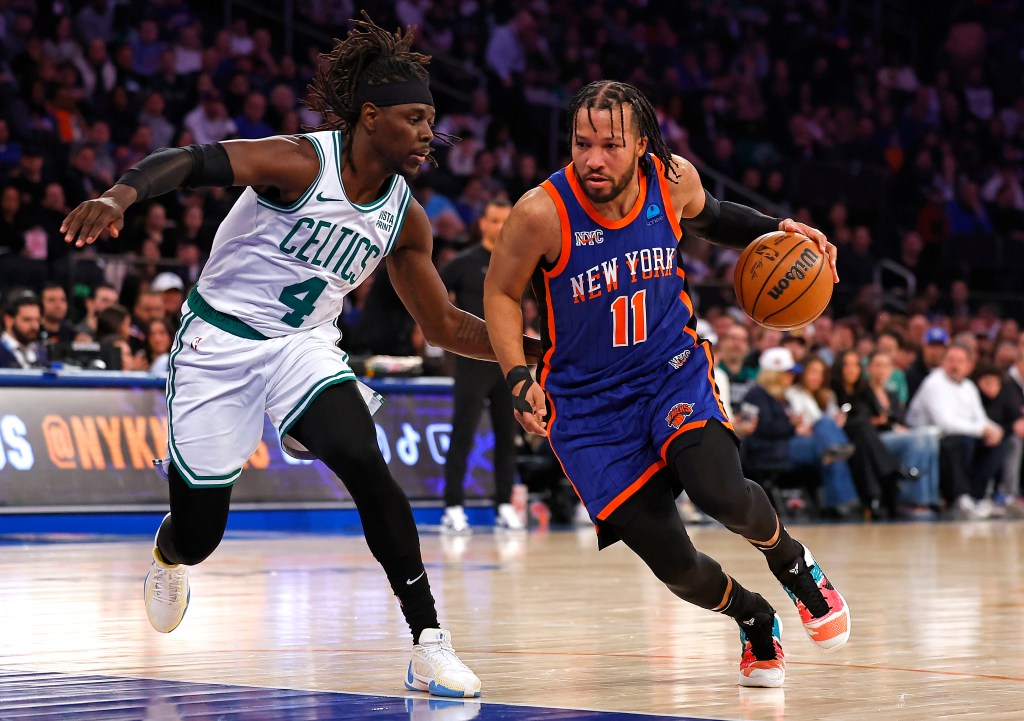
x=621 y=315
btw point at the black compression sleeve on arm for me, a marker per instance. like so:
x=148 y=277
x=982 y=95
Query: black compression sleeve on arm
x=169 y=168
x=729 y=224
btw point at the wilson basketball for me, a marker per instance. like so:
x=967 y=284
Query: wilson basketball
x=783 y=281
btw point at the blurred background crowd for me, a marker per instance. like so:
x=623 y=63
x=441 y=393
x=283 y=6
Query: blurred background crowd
x=896 y=127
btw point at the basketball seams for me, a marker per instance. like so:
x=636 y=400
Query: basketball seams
x=778 y=264
x=810 y=287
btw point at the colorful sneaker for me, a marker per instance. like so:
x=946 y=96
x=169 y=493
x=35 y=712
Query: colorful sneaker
x=824 y=612
x=454 y=522
x=763 y=664
x=507 y=518
x=435 y=667
x=167 y=594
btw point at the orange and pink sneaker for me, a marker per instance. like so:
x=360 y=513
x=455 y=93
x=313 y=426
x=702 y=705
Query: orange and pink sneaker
x=762 y=664
x=823 y=611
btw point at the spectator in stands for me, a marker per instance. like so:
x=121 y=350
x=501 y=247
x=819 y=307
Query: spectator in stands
x=209 y=121
x=161 y=130
x=917 y=448
x=159 y=335
x=250 y=123
x=172 y=293
x=19 y=344
x=932 y=352
x=949 y=400
x=13 y=220
x=731 y=353
x=781 y=441
x=1003 y=403
x=876 y=470
x=54 y=324
x=102 y=297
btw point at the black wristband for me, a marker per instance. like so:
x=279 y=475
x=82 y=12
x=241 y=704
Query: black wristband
x=520 y=374
x=517 y=375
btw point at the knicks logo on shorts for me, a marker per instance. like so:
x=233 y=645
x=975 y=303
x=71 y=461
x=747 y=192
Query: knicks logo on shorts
x=677 y=361
x=678 y=414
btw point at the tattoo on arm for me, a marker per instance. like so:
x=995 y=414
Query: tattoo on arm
x=472 y=330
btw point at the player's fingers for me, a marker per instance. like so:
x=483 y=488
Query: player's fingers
x=96 y=224
x=72 y=224
x=832 y=253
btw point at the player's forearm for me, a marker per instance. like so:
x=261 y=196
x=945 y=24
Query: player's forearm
x=464 y=334
x=170 y=168
x=729 y=224
x=504 y=325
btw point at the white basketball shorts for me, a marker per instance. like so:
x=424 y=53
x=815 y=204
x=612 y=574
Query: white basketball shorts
x=221 y=383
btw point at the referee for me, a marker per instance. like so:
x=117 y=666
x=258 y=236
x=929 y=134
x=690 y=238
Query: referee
x=477 y=382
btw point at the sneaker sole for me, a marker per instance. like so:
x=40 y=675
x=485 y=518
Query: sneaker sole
x=414 y=683
x=761 y=681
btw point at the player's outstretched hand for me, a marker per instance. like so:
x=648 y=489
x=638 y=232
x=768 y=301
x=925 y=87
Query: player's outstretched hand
x=86 y=222
x=791 y=226
x=533 y=422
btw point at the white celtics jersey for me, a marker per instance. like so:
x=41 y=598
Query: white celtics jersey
x=279 y=269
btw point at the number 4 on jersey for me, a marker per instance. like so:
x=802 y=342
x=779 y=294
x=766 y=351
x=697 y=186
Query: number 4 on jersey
x=301 y=298
x=620 y=319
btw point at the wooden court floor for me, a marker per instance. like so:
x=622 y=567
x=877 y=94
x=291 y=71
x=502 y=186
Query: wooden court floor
x=544 y=620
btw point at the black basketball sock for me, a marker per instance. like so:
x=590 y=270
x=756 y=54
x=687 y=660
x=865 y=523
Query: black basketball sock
x=780 y=554
x=741 y=604
x=408 y=579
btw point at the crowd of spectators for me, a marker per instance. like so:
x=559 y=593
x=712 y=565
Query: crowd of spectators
x=900 y=134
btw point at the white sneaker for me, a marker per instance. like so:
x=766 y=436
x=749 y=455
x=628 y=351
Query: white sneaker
x=167 y=594
x=454 y=521
x=435 y=667
x=967 y=509
x=506 y=518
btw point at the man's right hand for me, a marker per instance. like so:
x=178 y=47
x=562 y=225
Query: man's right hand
x=992 y=435
x=533 y=422
x=106 y=213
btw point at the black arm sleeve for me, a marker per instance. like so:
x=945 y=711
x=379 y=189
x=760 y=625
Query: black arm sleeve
x=166 y=169
x=729 y=224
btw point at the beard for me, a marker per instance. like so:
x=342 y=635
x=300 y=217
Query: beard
x=614 y=190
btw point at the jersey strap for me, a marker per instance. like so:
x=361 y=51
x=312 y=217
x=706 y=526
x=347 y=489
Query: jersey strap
x=227 y=323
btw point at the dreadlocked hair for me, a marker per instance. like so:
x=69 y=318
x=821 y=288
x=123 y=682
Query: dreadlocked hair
x=369 y=56
x=611 y=95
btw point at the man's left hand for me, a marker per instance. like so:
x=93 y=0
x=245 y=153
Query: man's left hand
x=791 y=226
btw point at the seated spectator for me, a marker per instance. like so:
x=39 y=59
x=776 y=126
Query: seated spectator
x=102 y=297
x=731 y=352
x=779 y=440
x=55 y=327
x=1002 y=401
x=916 y=447
x=172 y=294
x=19 y=344
x=933 y=350
x=949 y=400
x=159 y=335
x=876 y=469
x=250 y=123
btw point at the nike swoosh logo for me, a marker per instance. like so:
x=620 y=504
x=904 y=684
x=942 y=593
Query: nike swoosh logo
x=409 y=583
x=322 y=199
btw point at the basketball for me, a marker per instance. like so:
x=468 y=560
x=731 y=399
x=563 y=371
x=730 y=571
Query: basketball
x=783 y=281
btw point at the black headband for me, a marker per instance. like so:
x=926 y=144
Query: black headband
x=400 y=93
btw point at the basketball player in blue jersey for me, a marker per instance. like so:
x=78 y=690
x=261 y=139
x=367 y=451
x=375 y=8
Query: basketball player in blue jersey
x=319 y=213
x=634 y=412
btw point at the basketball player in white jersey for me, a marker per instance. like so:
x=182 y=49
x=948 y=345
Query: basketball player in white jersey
x=319 y=213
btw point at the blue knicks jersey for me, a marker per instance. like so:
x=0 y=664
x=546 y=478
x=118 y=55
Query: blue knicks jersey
x=615 y=306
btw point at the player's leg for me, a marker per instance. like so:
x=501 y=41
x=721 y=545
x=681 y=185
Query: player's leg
x=656 y=533
x=215 y=401
x=711 y=474
x=355 y=457
x=505 y=455
x=469 y=391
